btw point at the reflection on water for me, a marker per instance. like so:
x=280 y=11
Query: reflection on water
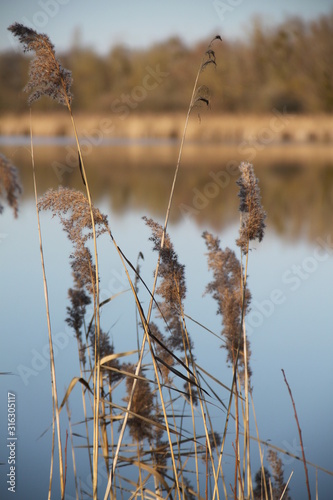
x=296 y=184
x=297 y=190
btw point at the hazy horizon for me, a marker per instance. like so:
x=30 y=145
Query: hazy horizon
x=106 y=25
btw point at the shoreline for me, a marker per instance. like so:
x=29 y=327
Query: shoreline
x=230 y=129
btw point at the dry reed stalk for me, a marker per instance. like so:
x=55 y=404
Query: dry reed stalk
x=55 y=406
x=52 y=451
x=286 y=486
x=48 y=77
x=235 y=357
x=73 y=210
x=172 y=289
x=146 y=337
x=292 y=455
x=300 y=435
x=193 y=419
x=206 y=415
x=247 y=419
x=260 y=451
x=207 y=59
x=97 y=316
x=179 y=465
x=201 y=399
x=73 y=450
x=251 y=228
x=85 y=416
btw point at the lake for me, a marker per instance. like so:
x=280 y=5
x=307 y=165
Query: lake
x=290 y=271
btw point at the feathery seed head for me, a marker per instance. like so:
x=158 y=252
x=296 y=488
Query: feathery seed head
x=253 y=214
x=172 y=287
x=226 y=289
x=46 y=74
x=142 y=404
x=10 y=185
x=73 y=210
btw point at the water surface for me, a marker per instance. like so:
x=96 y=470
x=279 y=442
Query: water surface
x=289 y=325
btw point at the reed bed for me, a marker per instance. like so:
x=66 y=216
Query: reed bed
x=147 y=412
x=227 y=129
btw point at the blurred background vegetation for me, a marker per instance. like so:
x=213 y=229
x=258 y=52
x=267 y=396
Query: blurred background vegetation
x=288 y=67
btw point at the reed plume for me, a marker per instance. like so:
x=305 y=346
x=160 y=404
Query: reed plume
x=75 y=317
x=279 y=486
x=172 y=286
x=165 y=356
x=142 y=406
x=46 y=74
x=10 y=186
x=252 y=213
x=226 y=289
x=73 y=210
x=106 y=348
x=48 y=77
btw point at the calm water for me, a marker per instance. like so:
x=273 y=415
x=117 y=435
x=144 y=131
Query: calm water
x=289 y=276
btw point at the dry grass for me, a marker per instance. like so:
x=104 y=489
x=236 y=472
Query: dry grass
x=215 y=128
x=153 y=387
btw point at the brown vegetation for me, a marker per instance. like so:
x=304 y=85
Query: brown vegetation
x=230 y=129
x=287 y=66
x=152 y=384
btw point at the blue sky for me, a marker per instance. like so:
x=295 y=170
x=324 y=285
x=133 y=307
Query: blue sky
x=104 y=23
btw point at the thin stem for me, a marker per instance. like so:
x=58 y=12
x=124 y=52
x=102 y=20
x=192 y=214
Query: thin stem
x=146 y=336
x=96 y=308
x=137 y=371
x=85 y=413
x=52 y=450
x=300 y=435
x=260 y=451
x=52 y=364
x=65 y=474
x=286 y=486
x=73 y=450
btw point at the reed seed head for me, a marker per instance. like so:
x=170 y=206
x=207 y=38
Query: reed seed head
x=75 y=316
x=172 y=287
x=226 y=289
x=10 y=186
x=252 y=213
x=279 y=485
x=46 y=74
x=142 y=404
x=106 y=348
x=72 y=208
x=163 y=354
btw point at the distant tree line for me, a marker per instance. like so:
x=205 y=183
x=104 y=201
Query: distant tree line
x=288 y=66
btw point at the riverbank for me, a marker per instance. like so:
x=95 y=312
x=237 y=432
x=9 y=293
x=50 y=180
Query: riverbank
x=243 y=130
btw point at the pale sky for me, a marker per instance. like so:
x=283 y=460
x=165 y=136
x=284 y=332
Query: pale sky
x=104 y=23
